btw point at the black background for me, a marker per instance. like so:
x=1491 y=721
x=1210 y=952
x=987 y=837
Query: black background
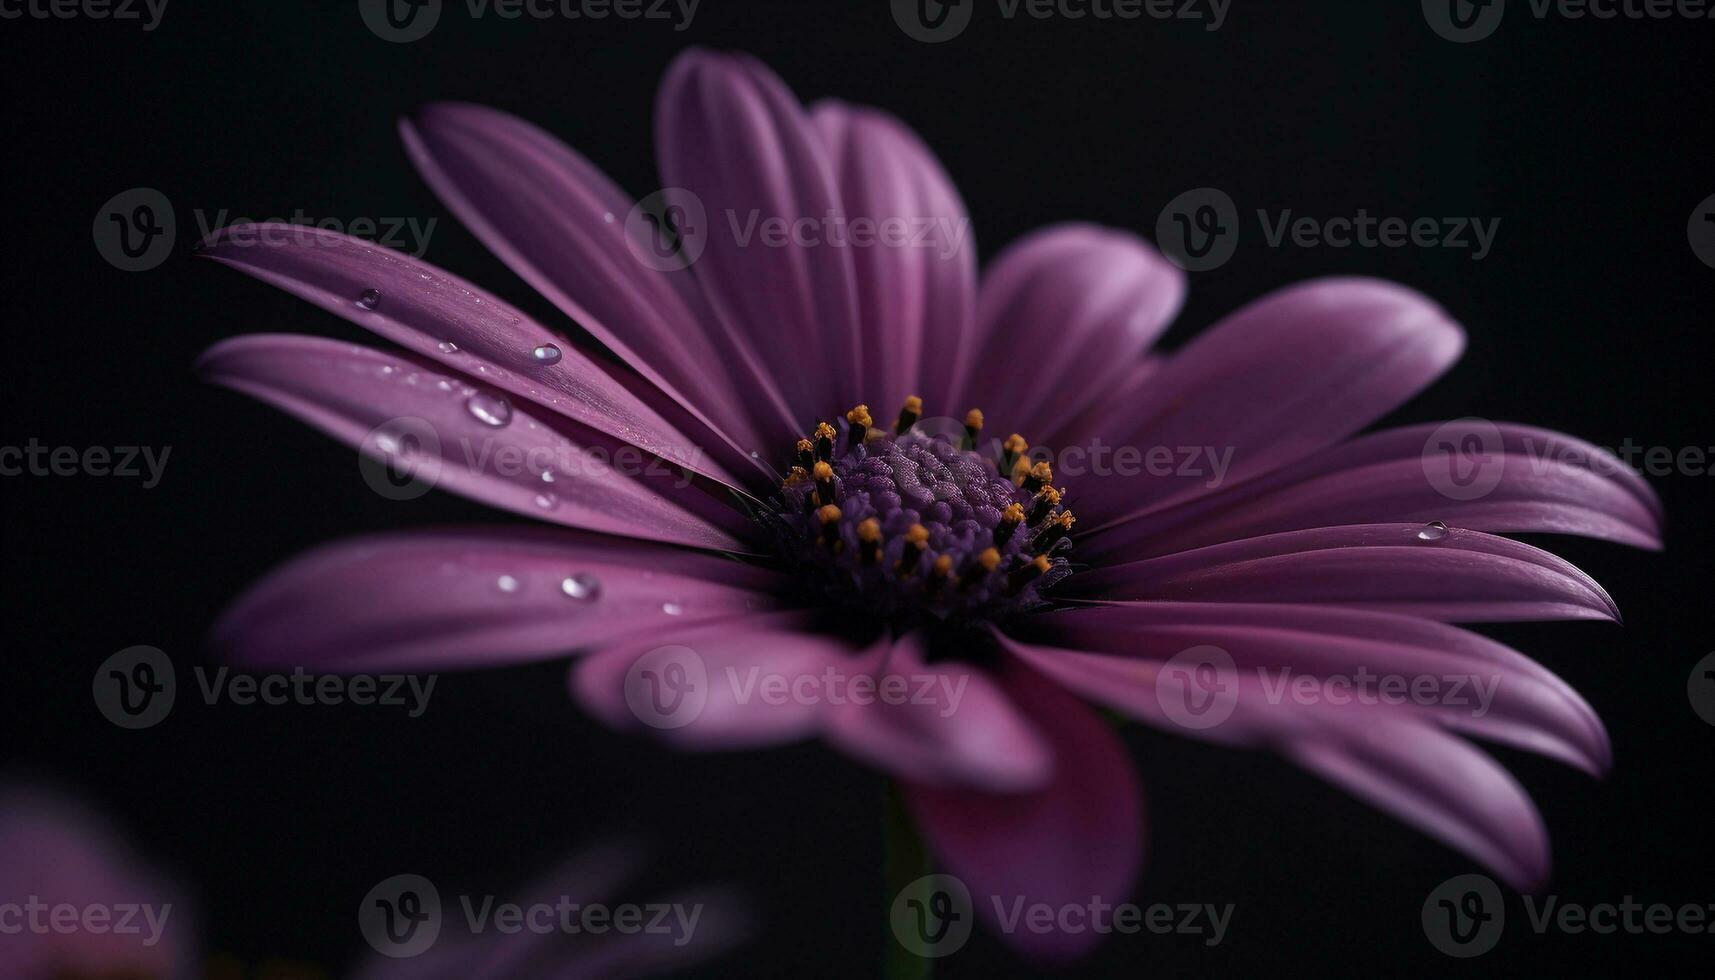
x=1590 y=141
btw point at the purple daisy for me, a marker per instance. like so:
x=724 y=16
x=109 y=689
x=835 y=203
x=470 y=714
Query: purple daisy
x=787 y=522
x=79 y=902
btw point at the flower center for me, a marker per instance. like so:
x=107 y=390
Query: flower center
x=918 y=522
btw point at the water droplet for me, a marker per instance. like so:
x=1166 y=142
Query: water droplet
x=489 y=409
x=581 y=586
x=607 y=216
x=547 y=501
x=447 y=347
x=1433 y=531
x=369 y=299
x=672 y=608
x=546 y=354
x=506 y=583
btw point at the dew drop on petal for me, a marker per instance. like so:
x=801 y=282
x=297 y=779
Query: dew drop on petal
x=547 y=501
x=506 y=583
x=546 y=354
x=581 y=586
x=1433 y=531
x=672 y=608
x=369 y=299
x=547 y=476
x=447 y=347
x=489 y=409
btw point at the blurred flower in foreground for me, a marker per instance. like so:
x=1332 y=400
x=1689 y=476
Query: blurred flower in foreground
x=76 y=903
x=785 y=321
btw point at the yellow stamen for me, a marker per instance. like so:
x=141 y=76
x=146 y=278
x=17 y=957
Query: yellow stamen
x=909 y=414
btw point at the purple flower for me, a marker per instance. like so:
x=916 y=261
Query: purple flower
x=76 y=902
x=753 y=334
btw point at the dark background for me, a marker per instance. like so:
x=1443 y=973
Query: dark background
x=1590 y=140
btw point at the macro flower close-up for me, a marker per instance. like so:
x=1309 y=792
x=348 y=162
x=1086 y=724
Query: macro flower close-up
x=929 y=489
x=853 y=476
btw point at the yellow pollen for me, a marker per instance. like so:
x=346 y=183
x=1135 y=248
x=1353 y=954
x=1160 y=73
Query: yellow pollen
x=917 y=536
x=859 y=418
x=1013 y=513
x=974 y=419
x=989 y=560
x=869 y=530
x=828 y=514
x=824 y=471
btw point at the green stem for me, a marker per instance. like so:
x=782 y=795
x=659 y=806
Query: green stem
x=904 y=860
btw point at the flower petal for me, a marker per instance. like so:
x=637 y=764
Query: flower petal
x=751 y=667
x=1326 y=358
x=728 y=131
x=944 y=723
x=1064 y=315
x=353 y=393
x=1541 y=482
x=1080 y=837
x=561 y=224
x=1394 y=761
x=1359 y=660
x=424 y=309
x=1454 y=576
x=916 y=296
x=452 y=599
